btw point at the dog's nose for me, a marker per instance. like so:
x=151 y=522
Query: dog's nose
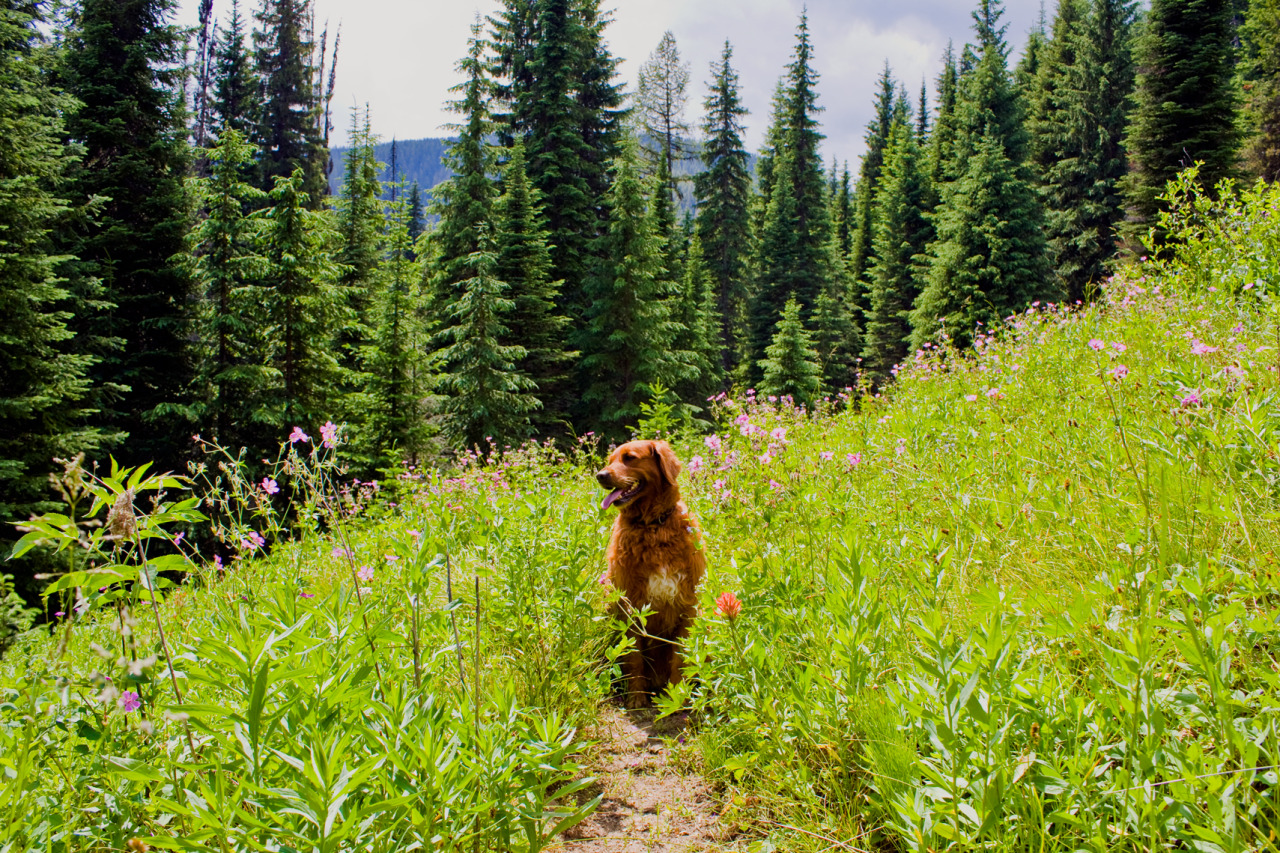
x=602 y=477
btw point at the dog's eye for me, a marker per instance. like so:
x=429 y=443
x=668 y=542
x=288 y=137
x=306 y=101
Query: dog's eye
x=628 y=457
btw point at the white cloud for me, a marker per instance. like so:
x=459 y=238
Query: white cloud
x=399 y=55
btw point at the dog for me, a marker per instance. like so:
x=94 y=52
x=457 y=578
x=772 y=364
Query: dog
x=655 y=560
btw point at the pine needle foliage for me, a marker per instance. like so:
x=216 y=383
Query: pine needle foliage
x=791 y=364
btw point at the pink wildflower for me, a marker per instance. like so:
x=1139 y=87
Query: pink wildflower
x=604 y=578
x=1096 y=344
x=339 y=553
x=1201 y=348
x=1118 y=372
x=713 y=443
x=253 y=541
x=270 y=486
x=742 y=419
x=779 y=434
x=695 y=464
x=364 y=573
x=1118 y=347
x=129 y=701
x=775 y=485
x=826 y=455
x=994 y=393
x=1192 y=398
x=766 y=458
x=298 y=435
x=728 y=606
x=329 y=433
x=972 y=398
x=853 y=458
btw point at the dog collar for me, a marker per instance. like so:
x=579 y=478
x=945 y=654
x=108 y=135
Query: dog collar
x=660 y=520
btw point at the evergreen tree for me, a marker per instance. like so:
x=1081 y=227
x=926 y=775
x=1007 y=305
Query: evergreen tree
x=556 y=91
x=795 y=255
x=989 y=257
x=791 y=364
x=486 y=398
x=942 y=154
x=360 y=229
x=234 y=87
x=837 y=338
x=723 y=191
x=627 y=340
x=922 y=115
x=43 y=385
x=304 y=308
x=396 y=423
x=877 y=139
x=465 y=201
x=698 y=329
x=233 y=381
x=1261 y=36
x=524 y=262
x=1078 y=121
x=903 y=231
x=1186 y=101
x=660 y=101
x=844 y=212
x=289 y=130
x=123 y=64
x=415 y=225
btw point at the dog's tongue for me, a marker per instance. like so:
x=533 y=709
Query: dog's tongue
x=611 y=497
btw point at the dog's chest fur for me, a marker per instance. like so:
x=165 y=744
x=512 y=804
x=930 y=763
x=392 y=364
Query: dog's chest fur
x=664 y=585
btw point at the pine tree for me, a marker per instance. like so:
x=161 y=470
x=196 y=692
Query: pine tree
x=660 y=101
x=524 y=263
x=627 y=340
x=304 y=308
x=723 y=192
x=844 y=212
x=837 y=338
x=123 y=64
x=903 y=231
x=289 y=132
x=989 y=257
x=43 y=385
x=360 y=227
x=942 y=154
x=234 y=88
x=877 y=139
x=1186 y=101
x=795 y=258
x=1077 y=122
x=486 y=398
x=395 y=420
x=554 y=82
x=415 y=225
x=791 y=364
x=233 y=382
x=465 y=201
x=698 y=329
x=1261 y=36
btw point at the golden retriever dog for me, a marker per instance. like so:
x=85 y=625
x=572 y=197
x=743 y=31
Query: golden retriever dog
x=654 y=560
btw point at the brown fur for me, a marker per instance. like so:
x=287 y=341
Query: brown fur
x=654 y=560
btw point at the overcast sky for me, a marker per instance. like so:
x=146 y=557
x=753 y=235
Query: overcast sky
x=398 y=56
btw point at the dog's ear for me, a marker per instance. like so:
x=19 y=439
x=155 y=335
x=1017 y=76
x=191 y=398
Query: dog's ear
x=668 y=464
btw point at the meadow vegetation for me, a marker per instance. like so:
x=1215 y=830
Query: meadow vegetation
x=1024 y=597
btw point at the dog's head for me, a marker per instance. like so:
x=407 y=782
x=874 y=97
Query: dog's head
x=640 y=472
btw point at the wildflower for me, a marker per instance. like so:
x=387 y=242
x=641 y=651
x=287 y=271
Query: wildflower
x=728 y=606
x=742 y=419
x=766 y=458
x=1192 y=398
x=773 y=398
x=775 y=485
x=695 y=464
x=1096 y=344
x=826 y=455
x=129 y=701
x=217 y=563
x=972 y=398
x=779 y=434
x=1118 y=347
x=307 y=594
x=270 y=486
x=1237 y=329
x=298 y=435
x=994 y=393
x=329 y=433
x=604 y=578
x=1249 y=286
x=339 y=553
x=1201 y=348
x=253 y=541
x=853 y=458
x=416 y=534
x=1241 y=347
x=182 y=534
x=364 y=573
x=713 y=443
x=1118 y=372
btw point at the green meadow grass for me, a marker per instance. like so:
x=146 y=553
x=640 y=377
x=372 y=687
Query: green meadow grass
x=1028 y=598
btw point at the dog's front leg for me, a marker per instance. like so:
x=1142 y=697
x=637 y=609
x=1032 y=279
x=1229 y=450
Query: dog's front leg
x=633 y=672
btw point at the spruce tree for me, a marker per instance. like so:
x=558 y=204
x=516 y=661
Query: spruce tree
x=234 y=103
x=877 y=139
x=233 y=381
x=903 y=230
x=304 y=308
x=698 y=329
x=627 y=341
x=123 y=65
x=361 y=227
x=1261 y=36
x=554 y=81
x=415 y=225
x=723 y=191
x=791 y=365
x=487 y=399
x=794 y=253
x=661 y=95
x=289 y=132
x=942 y=142
x=43 y=384
x=844 y=212
x=989 y=257
x=524 y=262
x=1187 y=102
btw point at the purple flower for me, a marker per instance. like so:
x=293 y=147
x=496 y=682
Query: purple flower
x=1096 y=344
x=307 y=594
x=1118 y=372
x=741 y=419
x=339 y=553
x=365 y=573
x=695 y=464
x=779 y=434
x=253 y=541
x=1118 y=347
x=270 y=486
x=713 y=443
x=129 y=701
x=298 y=435
x=853 y=458
x=1192 y=398
x=329 y=433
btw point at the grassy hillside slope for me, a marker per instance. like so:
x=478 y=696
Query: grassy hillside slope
x=1027 y=598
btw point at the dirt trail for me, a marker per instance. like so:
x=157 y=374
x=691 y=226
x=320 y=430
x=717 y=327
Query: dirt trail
x=650 y=805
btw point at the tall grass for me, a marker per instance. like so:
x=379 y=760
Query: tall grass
x=1028 y=598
